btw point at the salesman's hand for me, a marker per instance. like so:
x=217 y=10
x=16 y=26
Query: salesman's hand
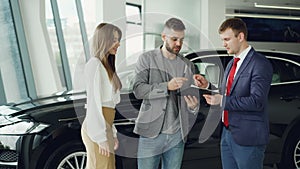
x=191 y=101
x=200 y=81
x=176 y=83
x=104 y=148
x=213 y=99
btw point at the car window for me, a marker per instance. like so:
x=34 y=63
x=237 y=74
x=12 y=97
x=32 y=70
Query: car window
x=285 y=70
x=127 y=79
x=211 y=66
x=210 y=71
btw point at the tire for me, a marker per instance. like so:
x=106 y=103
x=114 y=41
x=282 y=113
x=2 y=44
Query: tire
x=291 y=153
x=69 y=154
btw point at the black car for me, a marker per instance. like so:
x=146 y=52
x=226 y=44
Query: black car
x=45 y=133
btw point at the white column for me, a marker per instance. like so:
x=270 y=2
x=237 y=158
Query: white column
x=212 y=15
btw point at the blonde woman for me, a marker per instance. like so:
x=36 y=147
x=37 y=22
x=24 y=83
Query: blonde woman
x=102 y=87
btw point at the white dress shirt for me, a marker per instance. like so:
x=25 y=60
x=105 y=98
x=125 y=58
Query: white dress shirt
x=242 y=57
x=100 y=93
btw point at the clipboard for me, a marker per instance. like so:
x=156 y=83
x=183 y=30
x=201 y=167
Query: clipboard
x=195 y=90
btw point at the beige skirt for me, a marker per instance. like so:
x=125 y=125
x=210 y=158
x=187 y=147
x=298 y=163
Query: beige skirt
x=94 y=159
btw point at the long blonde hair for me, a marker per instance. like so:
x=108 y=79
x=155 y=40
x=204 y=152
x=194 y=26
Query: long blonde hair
x=103 y=39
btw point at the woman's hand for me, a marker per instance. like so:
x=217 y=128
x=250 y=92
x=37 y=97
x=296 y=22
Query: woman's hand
x=104 y=148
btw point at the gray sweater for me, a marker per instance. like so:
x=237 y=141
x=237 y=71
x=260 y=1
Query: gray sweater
x=161 y=110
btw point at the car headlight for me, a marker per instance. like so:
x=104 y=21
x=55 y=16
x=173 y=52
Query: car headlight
x=21 y=128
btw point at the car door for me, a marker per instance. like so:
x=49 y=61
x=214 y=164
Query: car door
x=284 y=95
x=205 y=154
x=126 y=113
x=284 y=109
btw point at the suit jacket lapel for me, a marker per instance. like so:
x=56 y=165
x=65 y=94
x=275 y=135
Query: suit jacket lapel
x=246 y=61
x=160 y=64
x=226 y=73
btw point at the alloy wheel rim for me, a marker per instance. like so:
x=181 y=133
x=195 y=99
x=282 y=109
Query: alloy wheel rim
x=297 y=155
x=76 y=160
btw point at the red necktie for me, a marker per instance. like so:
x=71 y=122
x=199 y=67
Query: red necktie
x=229 y=84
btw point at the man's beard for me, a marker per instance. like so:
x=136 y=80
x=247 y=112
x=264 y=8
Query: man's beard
x=169 y=49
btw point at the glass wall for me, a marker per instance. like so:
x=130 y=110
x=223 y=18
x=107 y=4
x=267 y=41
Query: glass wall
x=54 y=35
x=134 y=33
x=12 y=80
x=42 y=48
x=71 y=32
x=51 y=28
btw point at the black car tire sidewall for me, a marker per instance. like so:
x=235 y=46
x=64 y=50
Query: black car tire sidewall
x=289 y=150
x=61 y=152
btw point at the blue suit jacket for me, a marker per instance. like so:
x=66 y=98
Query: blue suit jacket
x=247 y=102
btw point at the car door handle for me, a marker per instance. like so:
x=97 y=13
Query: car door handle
x=289 y=98
x=122 y=122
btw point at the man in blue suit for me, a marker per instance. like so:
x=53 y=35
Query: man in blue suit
x=243 y=99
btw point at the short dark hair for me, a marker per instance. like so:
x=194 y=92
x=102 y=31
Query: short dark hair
x=175 y=24
x=236 y=24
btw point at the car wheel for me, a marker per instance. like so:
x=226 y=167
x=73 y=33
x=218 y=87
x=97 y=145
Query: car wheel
x=71 y=155
x=291 y=152
x=297 y=155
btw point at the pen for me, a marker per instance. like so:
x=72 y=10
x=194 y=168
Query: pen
x=184 y=71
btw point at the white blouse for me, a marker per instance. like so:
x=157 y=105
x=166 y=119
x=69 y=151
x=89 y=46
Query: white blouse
x=100 y=93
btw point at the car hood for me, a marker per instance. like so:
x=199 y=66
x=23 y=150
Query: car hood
x=37 y=110
x=6 y=117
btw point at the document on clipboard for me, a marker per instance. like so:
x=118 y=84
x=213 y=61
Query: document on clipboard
x=193 y=90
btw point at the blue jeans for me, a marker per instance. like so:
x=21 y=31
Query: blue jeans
x=165 y=147
x=235 y=156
